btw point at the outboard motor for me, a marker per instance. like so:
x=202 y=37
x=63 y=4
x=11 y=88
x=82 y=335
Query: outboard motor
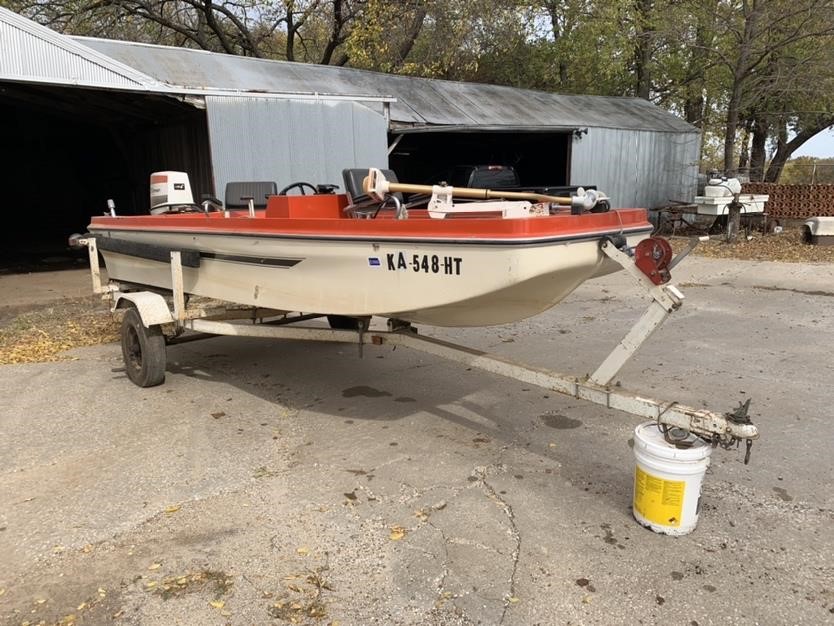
x=170 y=192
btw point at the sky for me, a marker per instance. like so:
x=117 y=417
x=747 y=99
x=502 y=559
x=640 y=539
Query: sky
x=820 y=145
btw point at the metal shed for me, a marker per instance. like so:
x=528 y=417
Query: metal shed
x=221 y=118
x=639 y=153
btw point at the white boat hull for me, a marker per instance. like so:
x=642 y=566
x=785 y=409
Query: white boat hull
x=442 y=284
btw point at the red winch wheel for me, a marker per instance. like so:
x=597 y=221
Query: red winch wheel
x=652 y=256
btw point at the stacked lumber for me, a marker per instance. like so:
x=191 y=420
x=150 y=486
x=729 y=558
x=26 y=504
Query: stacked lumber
x=794 y=201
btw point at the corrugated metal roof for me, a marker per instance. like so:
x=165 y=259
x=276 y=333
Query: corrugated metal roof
x=34 y=53
x=420 y=101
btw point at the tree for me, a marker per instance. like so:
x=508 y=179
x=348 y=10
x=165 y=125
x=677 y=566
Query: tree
x=306 y=30
x=754 y=31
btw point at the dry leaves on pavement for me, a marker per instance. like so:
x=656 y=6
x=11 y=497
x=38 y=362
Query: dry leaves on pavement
x=46 y=333
x=786 y=247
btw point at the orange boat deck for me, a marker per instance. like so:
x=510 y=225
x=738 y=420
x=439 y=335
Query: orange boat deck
x=325 y=215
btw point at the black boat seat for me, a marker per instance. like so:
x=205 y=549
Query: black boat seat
x=237 y=193
x=353 y=184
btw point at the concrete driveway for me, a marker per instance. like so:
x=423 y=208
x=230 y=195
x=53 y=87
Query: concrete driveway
x=284 y=482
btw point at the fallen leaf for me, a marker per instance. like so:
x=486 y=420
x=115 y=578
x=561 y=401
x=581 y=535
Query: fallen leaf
x=40 y=600
x=154 y=566
x=218 y=415
x=172 y=509
x=397 y=533
x=81 y=606
x=217 y=604
x=513 y=600
x=150 y=585
x=303 y=550
x=263 y=472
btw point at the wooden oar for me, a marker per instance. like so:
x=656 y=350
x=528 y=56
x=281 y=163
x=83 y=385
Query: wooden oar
x=376 y=185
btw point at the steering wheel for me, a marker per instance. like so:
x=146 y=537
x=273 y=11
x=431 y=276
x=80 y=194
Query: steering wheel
x=301 y=185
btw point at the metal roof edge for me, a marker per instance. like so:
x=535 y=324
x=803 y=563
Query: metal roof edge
x=462 y=128
x=283 y=95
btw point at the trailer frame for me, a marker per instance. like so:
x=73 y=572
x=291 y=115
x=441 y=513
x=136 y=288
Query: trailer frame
x=176 y=314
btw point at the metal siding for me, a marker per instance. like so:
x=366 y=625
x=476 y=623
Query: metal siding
x=637 y=168
x=34 y=53
x=290 y=140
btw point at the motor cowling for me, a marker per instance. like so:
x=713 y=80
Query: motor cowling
x=170 y=191
x=652 y=256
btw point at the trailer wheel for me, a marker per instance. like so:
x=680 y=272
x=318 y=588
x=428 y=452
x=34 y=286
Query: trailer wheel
x=143 y=350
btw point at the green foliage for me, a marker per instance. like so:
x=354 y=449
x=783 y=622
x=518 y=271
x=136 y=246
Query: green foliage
x=807 y=170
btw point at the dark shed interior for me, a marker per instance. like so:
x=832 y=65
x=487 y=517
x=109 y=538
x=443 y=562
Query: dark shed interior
x=539 y=158
x=68 y=150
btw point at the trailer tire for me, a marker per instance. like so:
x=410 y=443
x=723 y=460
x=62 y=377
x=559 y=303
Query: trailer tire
x=143 y=350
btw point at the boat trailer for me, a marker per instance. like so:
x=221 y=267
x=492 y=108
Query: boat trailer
x=151 y=323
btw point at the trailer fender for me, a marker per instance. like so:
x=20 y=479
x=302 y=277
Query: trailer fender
x=152 y=307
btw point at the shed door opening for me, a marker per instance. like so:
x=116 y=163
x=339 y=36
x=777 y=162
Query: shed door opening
x=69 y=150
x=539 y=158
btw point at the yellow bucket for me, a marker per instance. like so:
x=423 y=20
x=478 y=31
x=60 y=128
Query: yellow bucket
x=668 y=479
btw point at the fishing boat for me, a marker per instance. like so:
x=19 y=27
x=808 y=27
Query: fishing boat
x=502 y=257
x=499 y=258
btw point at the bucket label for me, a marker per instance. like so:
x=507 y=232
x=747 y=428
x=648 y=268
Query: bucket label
x=657 y=500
